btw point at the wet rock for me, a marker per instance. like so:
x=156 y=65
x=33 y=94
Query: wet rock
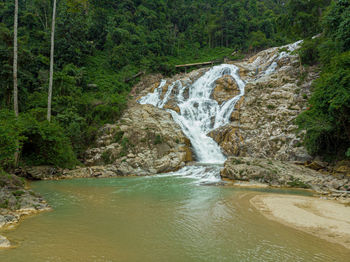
x=39 y=172
x=226 y=88
x=4 y=242
x=16 y=200
x=262 y=124
x=230 y=139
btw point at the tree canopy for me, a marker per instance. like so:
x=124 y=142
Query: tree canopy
x=100 y=43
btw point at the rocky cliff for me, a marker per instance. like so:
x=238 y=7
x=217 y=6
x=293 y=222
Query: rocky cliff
x=147 y=141
x=144 y=141
x=276 y=91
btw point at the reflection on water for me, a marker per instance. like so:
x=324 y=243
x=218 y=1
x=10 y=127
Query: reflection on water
x=157 y=219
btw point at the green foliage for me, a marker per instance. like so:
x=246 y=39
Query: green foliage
x=99 y=44
x=298 y=184
x=11 y=138
x=337 y=23
x=106 y=157
x=118 y=136
x=158 y=139
x=17 y=193
x=309 y=53
x=125 y=143
x=46 y=143
x=347 y=153
x=327 y=122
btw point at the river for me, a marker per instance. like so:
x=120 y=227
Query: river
x=162 y=218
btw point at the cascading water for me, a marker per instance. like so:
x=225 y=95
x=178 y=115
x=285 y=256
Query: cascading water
x=289 y=48
x=200 y=114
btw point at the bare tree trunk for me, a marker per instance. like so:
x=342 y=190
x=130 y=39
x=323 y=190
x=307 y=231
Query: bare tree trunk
x=15 y=81
x=51 y=61
x=15 y=58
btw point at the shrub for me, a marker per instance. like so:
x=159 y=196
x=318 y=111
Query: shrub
x=10 y=138
x=46 y=143
x=309 y=54
x=298 y=183
x=106 y=157
x=158 y=139
x=327 y=122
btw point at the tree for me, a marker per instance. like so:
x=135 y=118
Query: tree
x=15 y=56
x=51 y=61
x=15 y=81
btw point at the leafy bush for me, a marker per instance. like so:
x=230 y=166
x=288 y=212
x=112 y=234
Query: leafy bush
x=10 y=138
x=298 y=183
x=106 y=157
x=46 y=143
x=347 y=153
x=309 y=53
x=158 y=139
x=327 y=122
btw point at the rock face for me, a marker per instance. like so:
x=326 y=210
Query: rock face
x=39 y=172
x=263 y=123
x=145 y=141
x=226 y=88
x=287 y=174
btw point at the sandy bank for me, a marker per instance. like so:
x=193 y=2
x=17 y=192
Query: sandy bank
x=326 y=219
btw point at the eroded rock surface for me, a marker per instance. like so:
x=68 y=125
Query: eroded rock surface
x=276 y=92
x=225 y=89
x=16 y=201
x=286 y=174
x=145 y=141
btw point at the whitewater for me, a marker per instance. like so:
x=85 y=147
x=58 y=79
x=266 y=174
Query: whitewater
x=199 y=115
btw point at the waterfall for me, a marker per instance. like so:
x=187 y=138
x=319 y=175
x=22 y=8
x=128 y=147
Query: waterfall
x=199 y=112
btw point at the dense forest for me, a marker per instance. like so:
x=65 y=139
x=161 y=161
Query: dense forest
x=100 y=43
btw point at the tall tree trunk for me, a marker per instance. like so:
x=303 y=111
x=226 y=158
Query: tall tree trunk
x=15 y=82
x=51 y=61
x=15 y=56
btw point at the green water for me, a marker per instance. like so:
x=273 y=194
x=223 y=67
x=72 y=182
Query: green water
x=157 y=219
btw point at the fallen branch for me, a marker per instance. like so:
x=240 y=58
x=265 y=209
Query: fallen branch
x=134 y=76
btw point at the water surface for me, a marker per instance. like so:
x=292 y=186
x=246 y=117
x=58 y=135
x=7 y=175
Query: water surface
x=157 y=219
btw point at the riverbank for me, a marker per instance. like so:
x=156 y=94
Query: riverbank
x=286 y=174
x=325 y=219
x=16 y=201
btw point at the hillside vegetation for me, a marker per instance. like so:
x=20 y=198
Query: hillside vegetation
x=101 y=43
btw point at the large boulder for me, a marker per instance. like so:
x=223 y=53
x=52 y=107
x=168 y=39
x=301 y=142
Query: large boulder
x=145 y=141
x=16 y=201
x=225 y=89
